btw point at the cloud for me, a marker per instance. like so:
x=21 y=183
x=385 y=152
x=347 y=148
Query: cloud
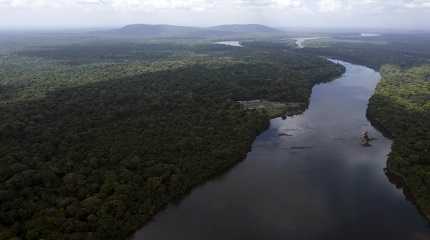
x=195 y=5
x=330 y=5
x=154 y=5
x=210 y=12
x=370 y=6
x=201 y=5
x=417 y=4
x=116 y=4
x=272 y=3
x=288 y=3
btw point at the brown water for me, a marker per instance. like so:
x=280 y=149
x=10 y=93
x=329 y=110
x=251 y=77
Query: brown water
x=319 y=183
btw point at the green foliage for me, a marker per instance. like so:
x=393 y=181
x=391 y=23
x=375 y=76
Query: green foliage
x=48 y=69
x=401 y=106
x=26 y=78
x=402 y=50
x=102 y=148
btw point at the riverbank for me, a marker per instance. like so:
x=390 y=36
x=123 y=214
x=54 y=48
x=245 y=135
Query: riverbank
x=274 y=109
x=400 y=109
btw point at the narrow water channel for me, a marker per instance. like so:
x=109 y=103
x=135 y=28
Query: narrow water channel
x=307 y=177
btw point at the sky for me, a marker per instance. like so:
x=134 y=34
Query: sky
x=387 y=14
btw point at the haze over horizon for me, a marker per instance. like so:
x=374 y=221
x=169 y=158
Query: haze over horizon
x=388 y=14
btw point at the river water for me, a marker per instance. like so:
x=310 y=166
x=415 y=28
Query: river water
x=301 y=41
x=316 y=182
x=230 y=43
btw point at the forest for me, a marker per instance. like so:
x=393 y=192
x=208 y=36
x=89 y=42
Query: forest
x=404 y=50
x=95 y=142
x=401 y=108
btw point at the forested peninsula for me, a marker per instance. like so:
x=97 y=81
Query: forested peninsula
x=93 y=146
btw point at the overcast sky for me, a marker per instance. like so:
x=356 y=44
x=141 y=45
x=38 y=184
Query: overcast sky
x=409 y=14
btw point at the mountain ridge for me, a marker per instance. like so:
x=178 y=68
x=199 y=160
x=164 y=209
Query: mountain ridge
x=165 y=30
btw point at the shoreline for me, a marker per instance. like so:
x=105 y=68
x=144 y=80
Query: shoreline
x=220 y=173
x=409 y=195
x=223 y=170
x=403 y=183
x=275 y=109
x=371 y=116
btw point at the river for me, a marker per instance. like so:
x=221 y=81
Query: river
x=230 y=43
x=316 y=182
x=301 y=41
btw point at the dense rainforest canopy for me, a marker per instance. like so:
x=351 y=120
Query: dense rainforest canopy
x=401 y=105
x=96 y=137
x=404 y=50
x=93 y=145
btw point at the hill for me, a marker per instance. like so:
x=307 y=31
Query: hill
x=172 y=31
x=159 y=30
x=247 y=28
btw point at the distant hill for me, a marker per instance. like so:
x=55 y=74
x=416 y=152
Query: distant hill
x=172 y=31
x=246 y=28
x=156 y=30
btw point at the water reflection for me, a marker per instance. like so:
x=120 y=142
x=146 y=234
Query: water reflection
x=315 y=182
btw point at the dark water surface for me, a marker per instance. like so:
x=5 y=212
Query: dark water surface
x=319 y=183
